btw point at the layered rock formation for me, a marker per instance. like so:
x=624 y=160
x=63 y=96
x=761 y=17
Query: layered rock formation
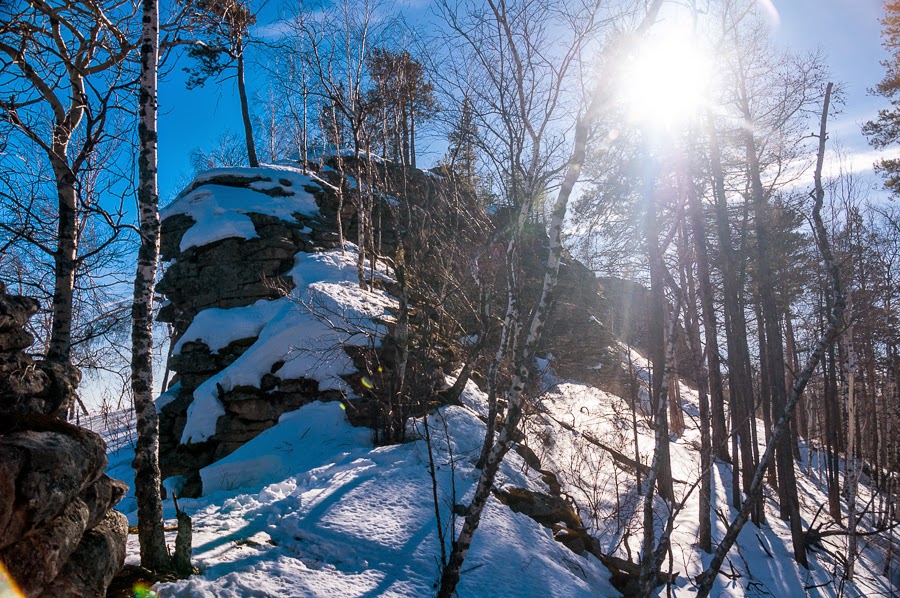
x=253 y=257
x=237 y=243
x=58 y=533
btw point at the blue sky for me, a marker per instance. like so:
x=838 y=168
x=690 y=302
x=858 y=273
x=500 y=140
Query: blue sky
x=848 y=31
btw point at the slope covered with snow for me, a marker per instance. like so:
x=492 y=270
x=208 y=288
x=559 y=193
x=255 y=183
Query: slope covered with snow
x=312 y=508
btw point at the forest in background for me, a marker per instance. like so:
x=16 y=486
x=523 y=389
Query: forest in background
x=675 y=146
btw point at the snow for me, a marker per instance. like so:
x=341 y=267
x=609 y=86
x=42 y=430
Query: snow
x=312 y=508
x=220 y=211
x=320 y=511
x=307 y=330
x=217 y=328
x=167 y=397
x=610 y=506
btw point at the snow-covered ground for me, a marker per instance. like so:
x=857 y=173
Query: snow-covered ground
x=312 y=508
x=761 y=563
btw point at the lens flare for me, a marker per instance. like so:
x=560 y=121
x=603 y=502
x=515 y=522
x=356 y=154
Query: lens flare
x=665 y=81
x=142 y=590
x=8 y=587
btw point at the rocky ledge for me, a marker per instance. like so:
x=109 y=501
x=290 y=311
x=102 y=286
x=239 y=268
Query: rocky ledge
x=58 y=533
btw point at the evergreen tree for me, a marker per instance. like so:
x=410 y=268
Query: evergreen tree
x=462 y=158
x=885 y=130
x=222 y=28
x=402 y=97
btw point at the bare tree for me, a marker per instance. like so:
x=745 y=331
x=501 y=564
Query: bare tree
x=64 y=74
x=521 y=75
x=707 y=578
x=333 y=41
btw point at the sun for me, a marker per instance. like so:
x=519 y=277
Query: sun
x=665 y=82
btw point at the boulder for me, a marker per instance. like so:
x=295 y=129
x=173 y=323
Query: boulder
x=48 y=470
x=97 y=559
x=58 y=533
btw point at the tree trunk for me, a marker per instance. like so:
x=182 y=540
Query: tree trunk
x=710 y=326
x=65 y=257
x=706 y=579
x=245 y=108
x=790 y=374
x=412 y=138
x=523 y=356
x=656 y=340
x=740 y=381
x=704 y=528
x=765 y=395
x=774 y=378
x=852 y=456
x=146 y=454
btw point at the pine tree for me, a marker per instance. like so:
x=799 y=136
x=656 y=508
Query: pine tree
x=402 y=97
x=462 y=158
x=223 y=29
x=885 y=130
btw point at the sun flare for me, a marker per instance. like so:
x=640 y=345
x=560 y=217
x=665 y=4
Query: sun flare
x=666 y=80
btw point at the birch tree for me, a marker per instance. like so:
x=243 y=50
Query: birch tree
x=64 y=73
x=154 y=555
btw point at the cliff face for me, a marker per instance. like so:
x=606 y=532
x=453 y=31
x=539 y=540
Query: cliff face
x=58 y=533
x=267 y=314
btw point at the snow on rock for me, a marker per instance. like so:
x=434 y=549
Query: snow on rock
x=217 y=327
x=307 y=329
x=220 y=211
x=272 y=456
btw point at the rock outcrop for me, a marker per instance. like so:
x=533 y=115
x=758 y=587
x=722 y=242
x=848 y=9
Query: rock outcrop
x=58 y=533
x=250 y=248
x=240 y=278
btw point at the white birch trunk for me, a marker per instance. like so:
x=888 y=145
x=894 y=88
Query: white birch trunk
x=146 y=455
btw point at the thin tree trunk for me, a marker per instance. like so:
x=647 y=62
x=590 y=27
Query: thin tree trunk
x=650 y=552
x=852 y=457
x=710 y=326
x=245 y=108
x=704 y=528
x=146 y=454
x=790 y=371
x=764 y=394
x=740 y=382
x=784 y=460
x=412 y=137
x=656 y=323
